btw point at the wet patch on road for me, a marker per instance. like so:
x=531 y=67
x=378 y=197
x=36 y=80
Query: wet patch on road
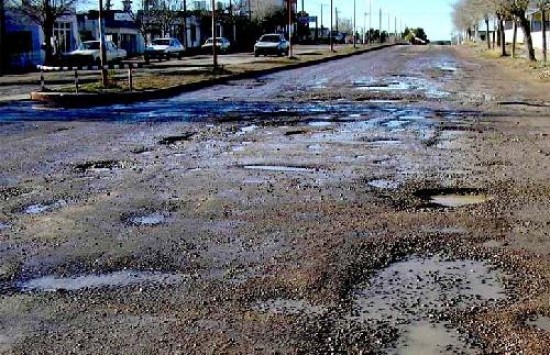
x=145 y=219
x=453 y=197
x=95 y=281
x=39 y=208
x=540 y=322
x=172 y=140
x=383 y=184
x=415 y=296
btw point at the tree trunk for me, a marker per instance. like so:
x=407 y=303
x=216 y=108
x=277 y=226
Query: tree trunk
x=185 y=42
x=487 y=39
x=514 y=38
x=499 y=37
x=526 y=27
x=47 y=28
x=494 y=36
x=502 y=37
x=544 y=44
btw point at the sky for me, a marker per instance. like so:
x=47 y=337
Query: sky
x=432 y=15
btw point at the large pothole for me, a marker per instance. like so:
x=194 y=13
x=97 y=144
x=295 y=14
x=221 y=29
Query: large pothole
x=416 y=296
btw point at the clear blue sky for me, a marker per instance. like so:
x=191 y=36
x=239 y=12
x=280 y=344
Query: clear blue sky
x=432 y=15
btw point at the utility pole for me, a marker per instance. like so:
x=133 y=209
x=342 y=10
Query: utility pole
x=185 y=42
x=103 y=57
x=330 y=31
x=380 y=24
x=336 y=15
x=214 y=44
x=249 y=10
x=3 y=49
x=289 y=3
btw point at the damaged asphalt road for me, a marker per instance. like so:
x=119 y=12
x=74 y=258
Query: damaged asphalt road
x=384 y=203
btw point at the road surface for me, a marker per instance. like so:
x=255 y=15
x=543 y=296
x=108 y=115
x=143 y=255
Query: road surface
x=394 y=202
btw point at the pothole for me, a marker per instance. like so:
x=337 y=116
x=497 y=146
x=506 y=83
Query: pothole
x=541 y=322
x=320 y=123
x=283 y=168
x=454 y=197
x=247 y=129
x=100 y=165
x=113 y=279
x=9 y=192
x=171 y=140
x=383 y=184
x=288 y=306
x=416 y=295
x=151 y=219
x=39 y=208
x=4 y=226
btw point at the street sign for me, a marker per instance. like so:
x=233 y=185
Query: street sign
x=307 y=19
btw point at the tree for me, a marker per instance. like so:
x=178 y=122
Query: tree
x=43 y=13
x=544 y=5
x=518 y=8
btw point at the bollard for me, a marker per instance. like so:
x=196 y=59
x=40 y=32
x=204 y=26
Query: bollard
x=76 y=80
x=130 y=78
x=42 y=83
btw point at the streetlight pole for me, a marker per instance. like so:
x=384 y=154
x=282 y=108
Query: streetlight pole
x=330 y=31
x=214 y=44
x=289 y=3
x=354 y=23
x=102 y=57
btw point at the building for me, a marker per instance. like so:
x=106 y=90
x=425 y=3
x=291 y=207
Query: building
x=24 y=40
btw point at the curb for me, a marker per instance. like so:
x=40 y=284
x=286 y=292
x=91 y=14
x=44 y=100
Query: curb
x=60 y=99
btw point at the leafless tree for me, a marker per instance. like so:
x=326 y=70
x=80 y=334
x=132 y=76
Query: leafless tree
x=44 y=13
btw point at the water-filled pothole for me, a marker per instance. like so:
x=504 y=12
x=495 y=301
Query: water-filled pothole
x=541 y=322
x=449 y=197
x=39 y=208
x=416 y=295
x=383 y=184
x=4 y=226
x=171 y=140
x=283 y=168
x=113 y=279
x=150 y=219
x=100 y=165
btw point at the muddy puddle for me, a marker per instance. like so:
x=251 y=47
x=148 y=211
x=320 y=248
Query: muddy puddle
x=383 y=184
x=400 y=84
x=151 y=219
x=40 y=208
x=113 y=279
x=414 y=295
x=454 y=197
x=541 y=322
x=456 y=200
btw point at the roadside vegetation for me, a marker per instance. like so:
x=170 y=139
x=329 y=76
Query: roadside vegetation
x=469 y=14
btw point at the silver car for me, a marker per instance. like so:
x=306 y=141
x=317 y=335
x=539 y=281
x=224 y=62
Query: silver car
x=273 y=43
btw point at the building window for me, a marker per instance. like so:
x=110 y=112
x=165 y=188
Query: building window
x=63 y=37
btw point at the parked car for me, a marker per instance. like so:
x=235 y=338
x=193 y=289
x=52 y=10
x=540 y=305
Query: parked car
x=338 y=37
x=222 y=45
x=88 y=52
x=164 y=48
x=271 y=44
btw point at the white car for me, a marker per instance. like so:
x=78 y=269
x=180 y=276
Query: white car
x=271 y=44
x=164 y=48
x=89 y=52
x=222 y=45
